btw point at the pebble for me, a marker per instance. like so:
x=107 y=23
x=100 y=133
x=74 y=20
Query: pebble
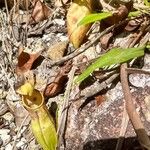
x=8 y=147
x=57 y=51
x=9 y=117
x=59 y=22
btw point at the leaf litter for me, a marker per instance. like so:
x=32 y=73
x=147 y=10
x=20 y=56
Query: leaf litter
x=89 y=121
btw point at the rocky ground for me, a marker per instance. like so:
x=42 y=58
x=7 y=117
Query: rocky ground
x=94 y=123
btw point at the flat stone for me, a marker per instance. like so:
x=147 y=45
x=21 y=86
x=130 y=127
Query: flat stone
x=8 y=147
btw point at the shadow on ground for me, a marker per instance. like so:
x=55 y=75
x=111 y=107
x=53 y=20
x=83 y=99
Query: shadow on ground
x=110 y=144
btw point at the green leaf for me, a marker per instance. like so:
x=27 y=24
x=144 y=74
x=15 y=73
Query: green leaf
x=134 y=13
x=148 y=46
x=147 y=2
x=114 y=56
x=94 y=17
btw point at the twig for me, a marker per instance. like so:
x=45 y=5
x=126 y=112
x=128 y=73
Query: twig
x=97 y=87
x=7 y=12
x=81 y=50
x=19 y=130
x=137 y=71
x=63 y=118
x=145 y=24
x=124 y=124
x=134 y=117
x=89 y=44
x=145 y=39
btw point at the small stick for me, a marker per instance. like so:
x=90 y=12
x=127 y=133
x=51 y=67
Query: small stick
x=130 y=107
x=134 y=117
x=81 y=50
x=7 y=12
x=97 y=87
x=63 y=118
x=137 y=71
x=89 y=44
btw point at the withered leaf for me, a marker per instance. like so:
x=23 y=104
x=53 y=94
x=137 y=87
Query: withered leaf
x=132 y=25
x=119 y=15
x=59 y=82
x=25 y=61
x=40 y=12
x=55 y=87
x=105 y=40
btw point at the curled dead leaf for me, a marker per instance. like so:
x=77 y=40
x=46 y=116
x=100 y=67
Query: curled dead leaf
x=40 y=12
x=55 y=87
x=59 y=82
x=132 y=25
x=106 y=39
x=25 y=61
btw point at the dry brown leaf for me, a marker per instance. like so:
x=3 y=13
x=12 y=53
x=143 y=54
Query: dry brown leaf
x=25 y=61
x=119 y=15
x=59 y=82
x=57 y=51
x=106 y=39
x=132 y=25
x=40 y=12
x=56 y=87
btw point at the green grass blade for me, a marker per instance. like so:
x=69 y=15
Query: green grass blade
x=114 y=56
x=134 y=13
x=94 y=17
